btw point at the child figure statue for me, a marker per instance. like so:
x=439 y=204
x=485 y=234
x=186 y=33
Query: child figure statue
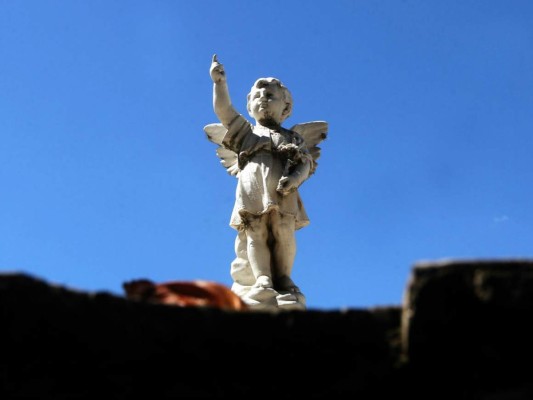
x=270 y=163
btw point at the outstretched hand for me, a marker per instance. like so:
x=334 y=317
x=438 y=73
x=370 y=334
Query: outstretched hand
x=218 y=75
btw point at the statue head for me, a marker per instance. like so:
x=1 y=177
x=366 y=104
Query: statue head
x=269 y=100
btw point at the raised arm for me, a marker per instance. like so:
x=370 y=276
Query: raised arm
x=221 y=100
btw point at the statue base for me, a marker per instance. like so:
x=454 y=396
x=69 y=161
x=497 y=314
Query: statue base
x=261 y=298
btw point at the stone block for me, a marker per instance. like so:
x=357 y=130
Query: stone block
x=466 y=325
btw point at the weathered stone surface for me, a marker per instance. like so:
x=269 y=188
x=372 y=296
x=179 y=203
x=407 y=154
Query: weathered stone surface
x=467 y=327
x=62 y=343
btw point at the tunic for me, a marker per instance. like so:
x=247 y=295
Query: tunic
x=262 y=162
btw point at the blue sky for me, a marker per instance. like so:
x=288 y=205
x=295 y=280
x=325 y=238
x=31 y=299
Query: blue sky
x=106 y=174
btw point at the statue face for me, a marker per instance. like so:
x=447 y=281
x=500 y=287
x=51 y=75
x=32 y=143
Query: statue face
x=266 y=102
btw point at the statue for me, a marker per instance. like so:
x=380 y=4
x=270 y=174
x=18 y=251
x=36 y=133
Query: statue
x=270 y=163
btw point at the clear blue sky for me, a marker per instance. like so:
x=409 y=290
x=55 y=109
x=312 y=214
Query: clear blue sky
x=106 y=174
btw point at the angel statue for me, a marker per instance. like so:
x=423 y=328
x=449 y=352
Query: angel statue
x=270 y=163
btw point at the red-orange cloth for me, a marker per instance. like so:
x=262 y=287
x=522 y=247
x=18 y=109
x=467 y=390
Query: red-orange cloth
x=197 y=293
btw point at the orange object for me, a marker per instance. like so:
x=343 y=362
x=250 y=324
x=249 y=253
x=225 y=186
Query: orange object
x=198 y=293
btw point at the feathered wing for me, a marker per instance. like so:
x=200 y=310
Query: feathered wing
x=215 y=133
x=313 y=133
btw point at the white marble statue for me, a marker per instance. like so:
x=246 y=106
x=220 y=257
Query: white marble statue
x=270 y=163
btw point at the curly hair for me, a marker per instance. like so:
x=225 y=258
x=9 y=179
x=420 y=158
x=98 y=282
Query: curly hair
x=287 y=97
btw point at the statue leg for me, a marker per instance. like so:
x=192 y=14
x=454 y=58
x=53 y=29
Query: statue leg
x=241 y=272
x=283 y=253
x=262 y=293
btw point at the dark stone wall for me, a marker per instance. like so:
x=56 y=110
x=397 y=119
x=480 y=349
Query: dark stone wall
x=462 y=332
x=467 y=328
x=62 y=343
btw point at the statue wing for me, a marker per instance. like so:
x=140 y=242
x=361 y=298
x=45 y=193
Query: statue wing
x=228 y=158
x=313 y=133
